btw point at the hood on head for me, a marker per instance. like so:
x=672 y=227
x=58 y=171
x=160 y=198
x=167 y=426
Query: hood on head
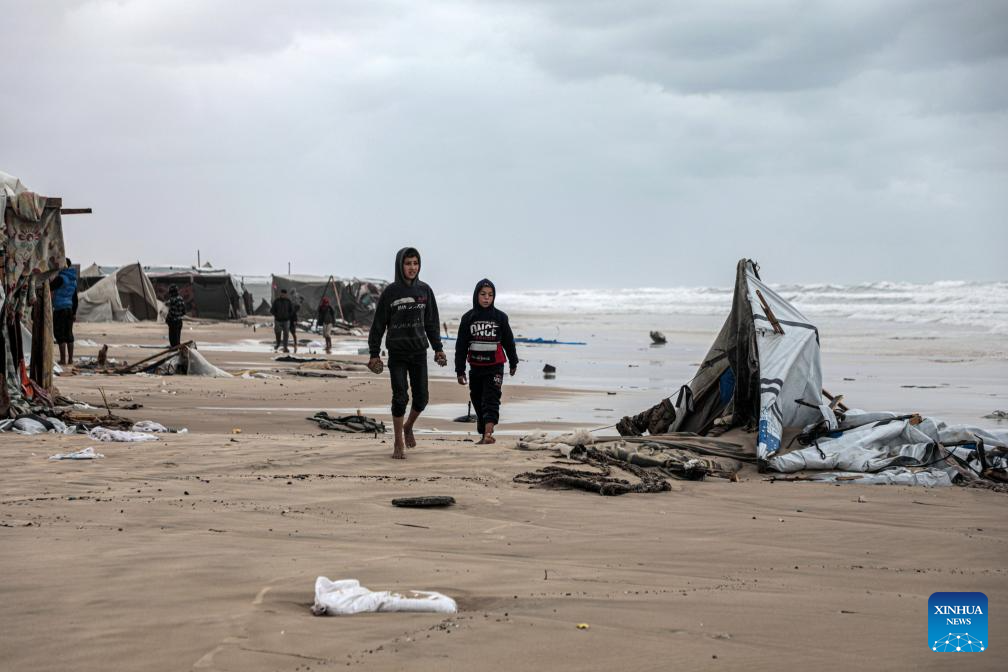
x=480 y=285
x=400 y=257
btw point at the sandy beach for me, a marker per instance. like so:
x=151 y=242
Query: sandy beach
x=200 y=551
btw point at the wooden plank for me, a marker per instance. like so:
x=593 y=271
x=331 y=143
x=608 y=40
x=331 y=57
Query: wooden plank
x=75 y=211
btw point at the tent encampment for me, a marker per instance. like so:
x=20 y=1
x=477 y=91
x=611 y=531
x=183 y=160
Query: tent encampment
x=353 y=299
x=213 y=294
x=125 y=295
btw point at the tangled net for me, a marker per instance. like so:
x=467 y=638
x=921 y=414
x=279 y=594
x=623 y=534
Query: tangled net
x=601 y=481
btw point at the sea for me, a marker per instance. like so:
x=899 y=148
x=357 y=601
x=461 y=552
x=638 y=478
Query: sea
x=940 y=346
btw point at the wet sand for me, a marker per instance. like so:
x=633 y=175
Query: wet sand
x=200 y=551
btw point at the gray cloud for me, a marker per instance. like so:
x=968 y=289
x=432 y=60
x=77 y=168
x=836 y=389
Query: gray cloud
x=544 y=144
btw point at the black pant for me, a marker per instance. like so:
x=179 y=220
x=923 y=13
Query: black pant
x=174 y=333
x=485 y=384
x=63 y=320
x=413 y=366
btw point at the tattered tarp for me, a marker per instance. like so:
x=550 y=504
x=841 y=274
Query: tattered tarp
x=902 y=449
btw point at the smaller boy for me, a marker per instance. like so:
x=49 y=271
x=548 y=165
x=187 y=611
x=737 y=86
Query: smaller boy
x=486 y=341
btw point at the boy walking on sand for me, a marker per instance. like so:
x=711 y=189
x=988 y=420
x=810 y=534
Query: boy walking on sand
x=407 y=309
x=486 y=340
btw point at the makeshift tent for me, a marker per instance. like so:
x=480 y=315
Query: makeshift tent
x=89 y=277
x=763 y=374
x=263 y=308
x=211 y=294
x=31 y=253
x=353 y=299
x=756 y=374
x=125 y=295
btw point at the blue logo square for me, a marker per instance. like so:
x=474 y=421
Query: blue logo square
x=957 y=622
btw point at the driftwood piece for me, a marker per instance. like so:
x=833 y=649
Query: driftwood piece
x=154 y=359
x=423 y=502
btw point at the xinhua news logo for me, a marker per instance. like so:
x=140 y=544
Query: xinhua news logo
x=957 y=622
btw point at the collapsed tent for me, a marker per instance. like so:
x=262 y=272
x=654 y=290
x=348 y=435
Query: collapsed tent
x=763 y=375
x=213 y=294
x=353 y=299
x=126 y=295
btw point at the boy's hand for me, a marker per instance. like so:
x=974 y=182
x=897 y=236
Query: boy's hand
x=462 y=379
x=513 y=369
x=440 y=359
x=375 y=364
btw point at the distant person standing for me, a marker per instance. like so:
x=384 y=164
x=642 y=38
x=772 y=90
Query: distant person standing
x=176 y=313
x=64 y=304
x=296 y=307
x=407 y=309
x=326 y=319
x=282 y=311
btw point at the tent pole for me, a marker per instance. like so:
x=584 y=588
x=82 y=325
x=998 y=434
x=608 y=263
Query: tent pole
x=332 y=283
x=144 y=285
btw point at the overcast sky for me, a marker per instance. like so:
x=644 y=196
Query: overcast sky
x=573 y=143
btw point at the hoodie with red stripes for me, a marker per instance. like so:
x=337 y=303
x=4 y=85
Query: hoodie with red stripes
x=484 y=336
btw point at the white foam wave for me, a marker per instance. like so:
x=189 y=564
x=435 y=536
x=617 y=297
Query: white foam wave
x=961 y=303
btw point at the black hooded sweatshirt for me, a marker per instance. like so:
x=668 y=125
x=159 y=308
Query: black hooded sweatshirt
x=484 y=335
x=408 y=311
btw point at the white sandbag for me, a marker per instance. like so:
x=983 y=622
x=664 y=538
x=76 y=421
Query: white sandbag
x=82 y=454
x=342 y=598
x=121 y=436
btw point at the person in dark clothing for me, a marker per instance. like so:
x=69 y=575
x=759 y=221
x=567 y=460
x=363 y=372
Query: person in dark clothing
x=64 y=305
x=485 y=339
x=282 y=311
x=408 y=311
x=296 y=307
x=326 y=318
x=176 y=313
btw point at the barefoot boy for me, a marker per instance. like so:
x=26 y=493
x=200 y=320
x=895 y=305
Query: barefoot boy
x=484 y=338
x=407 y=309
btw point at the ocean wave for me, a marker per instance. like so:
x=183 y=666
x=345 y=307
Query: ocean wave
x=948 y=302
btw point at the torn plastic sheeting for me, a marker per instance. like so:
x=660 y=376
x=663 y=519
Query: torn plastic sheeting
x=156 y=428
x=82 y=454
x=149 y=426
x=29 y=425
x=347 y=596
x=119 y=436
x=932 y=477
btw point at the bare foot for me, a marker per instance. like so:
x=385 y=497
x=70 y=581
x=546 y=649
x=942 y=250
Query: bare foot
x=488 y=439
x=398 y=453
x=408 y=435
